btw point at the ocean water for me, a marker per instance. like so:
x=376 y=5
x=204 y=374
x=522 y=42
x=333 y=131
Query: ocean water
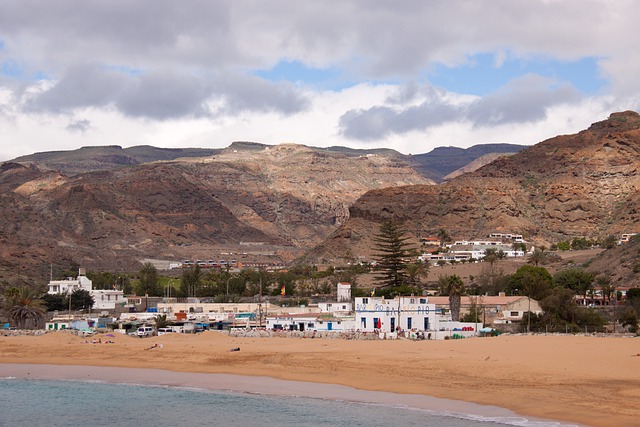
x=94 y=403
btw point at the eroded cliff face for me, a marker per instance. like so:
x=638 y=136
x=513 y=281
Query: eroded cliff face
x=575 y=185
x=287 y=196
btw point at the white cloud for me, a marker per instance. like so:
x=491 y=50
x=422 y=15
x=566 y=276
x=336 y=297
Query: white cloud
x=178 y=74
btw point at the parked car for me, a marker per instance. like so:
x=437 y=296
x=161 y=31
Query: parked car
x=145 y=331
x=162 y=331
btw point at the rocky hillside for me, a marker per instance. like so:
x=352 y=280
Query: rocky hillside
x=621 y=264
x=573 y=185
x=286 y=197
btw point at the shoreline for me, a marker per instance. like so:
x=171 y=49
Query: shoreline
x=267 y=386
x=570 y=379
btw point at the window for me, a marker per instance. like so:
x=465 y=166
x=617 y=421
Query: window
x=412 y=301
x=363 y=322
x=365 y=300
x=423 y=300
x=515 y=313
x=409 y=321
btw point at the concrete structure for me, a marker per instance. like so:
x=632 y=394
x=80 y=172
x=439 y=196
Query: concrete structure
x=344 y=292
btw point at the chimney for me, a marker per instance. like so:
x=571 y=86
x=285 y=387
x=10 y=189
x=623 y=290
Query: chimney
x=82 y=272
x=502 y=294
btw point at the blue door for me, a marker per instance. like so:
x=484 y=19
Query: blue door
x=329 y=326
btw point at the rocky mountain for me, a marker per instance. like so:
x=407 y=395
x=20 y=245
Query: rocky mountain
x=434 y=165
x=91 y=159
x=442 y=161
x=246 y=199
x=572 y=185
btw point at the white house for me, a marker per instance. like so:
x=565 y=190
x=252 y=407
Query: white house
x=104 y=299
x=391 y=315
x=311 y=322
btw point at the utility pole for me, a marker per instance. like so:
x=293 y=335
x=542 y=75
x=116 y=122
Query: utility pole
x=260 y=305
x=529 y=316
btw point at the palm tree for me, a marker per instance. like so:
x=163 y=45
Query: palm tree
x=443 y=236
x=415 y=271
x=24 y=309
x=604 y=282
x=537 y=257
x=454 y=287
x=161 y=321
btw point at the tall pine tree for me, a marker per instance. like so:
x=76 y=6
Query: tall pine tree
x=392 y=254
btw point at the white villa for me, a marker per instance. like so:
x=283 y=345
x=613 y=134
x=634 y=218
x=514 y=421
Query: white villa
x=104 y=299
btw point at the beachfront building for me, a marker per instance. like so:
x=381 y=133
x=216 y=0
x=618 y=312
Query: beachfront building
x=499 y=309
x=104 y=299
x=318 y=322
x=410 y=317
x=377 y=314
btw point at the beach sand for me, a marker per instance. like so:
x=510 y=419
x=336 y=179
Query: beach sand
x=582 y=379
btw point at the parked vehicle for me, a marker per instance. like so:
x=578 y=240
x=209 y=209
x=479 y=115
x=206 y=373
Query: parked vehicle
x=162 y=331
x=145 y=331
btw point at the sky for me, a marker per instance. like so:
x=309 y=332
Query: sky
x=409 y=75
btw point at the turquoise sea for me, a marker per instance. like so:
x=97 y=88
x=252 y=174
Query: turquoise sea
x=94 y=403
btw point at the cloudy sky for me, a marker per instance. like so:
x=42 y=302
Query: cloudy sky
x=410 y=75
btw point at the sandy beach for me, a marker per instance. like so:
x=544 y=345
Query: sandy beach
x=581 y=379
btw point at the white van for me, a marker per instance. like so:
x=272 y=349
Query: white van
x=145 y=331
x=162 y=331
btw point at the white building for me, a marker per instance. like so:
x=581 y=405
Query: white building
x=391 y=315
x=335 y=307
x=310 y=322
x=104 y=299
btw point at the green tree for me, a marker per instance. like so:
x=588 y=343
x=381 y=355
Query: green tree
x=576 y=279
x=580 y=243
x=629 y=318
x=490 y=256
x=533 y=282
x=559 y=308
x=148 y=281
x=454 y=287
x=392 y=254
x=537 y=257
x=55 y=302
x=610 y=242
x=81 y=299
x=443 y=236
x=191 y=281
x=23 y=308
